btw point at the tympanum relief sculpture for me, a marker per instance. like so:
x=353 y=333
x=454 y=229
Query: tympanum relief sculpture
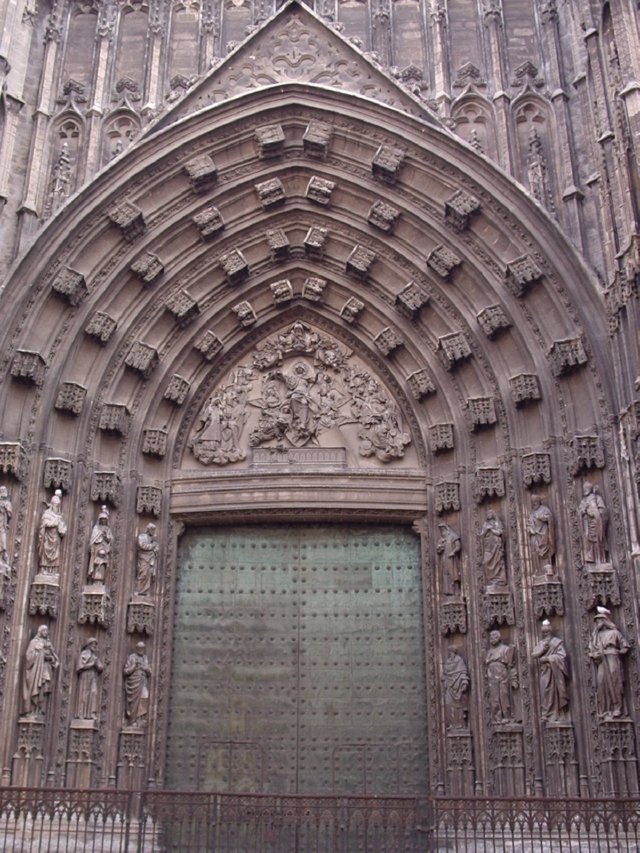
x=302 y=389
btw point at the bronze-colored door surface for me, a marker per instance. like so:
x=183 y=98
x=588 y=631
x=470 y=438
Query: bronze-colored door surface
x=298 y=662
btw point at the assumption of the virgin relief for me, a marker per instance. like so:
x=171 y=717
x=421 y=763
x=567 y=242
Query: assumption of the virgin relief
x=319 y=423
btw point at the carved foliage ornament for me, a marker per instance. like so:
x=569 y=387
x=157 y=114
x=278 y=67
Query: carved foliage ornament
x=300 y=386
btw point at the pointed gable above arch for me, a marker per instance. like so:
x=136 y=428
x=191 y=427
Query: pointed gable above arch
x=296 y=46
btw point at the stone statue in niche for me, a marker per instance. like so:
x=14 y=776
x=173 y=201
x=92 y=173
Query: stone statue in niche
x=6 y=511
x=299 y=387
x=493 y=551
x=53 y=528
x=502 y=677
x=136 y=686
x=594 y=518
x=40 y=663
x=607 y=648
x=100 y=548
x=456 y=689
x=553 y=665
x=542 y=536
x=88 y=668
x=221 y=422
x=148 y=549
x=448 y=547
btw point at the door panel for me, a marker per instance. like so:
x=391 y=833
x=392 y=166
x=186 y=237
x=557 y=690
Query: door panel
x=298 y=661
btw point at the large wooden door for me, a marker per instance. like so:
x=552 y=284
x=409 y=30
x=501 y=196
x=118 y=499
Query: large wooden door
x=298 y=661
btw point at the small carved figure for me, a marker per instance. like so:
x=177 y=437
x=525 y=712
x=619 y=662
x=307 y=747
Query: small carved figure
x=88 y=669
x=594 y=517
x=606 y=648
x=52 y=529
x=100 y=548
x=146 y=560
x=493 y=551
x=456 y=690
x=136 y=686
x=551 y=655
x=448 y=547
x=6 y=511
x=502 y=677
x=542 y=534
x=40 y=661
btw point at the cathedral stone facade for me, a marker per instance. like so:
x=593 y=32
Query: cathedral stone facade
x=319 y=443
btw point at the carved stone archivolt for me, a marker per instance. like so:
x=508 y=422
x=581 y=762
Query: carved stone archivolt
x=302 y=388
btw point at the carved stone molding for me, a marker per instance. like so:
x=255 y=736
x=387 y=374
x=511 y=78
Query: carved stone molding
x=386 y=162
x=29 y=367
x=245 y=313
x=493 y=320
x=129 y=219
x=209 y=222
x=411 y=299
x=101 y=326
x=131 y=757
x=140 y=616
x=421 y=384
x=525 y=388
x=488 y=483
x=95 y=605
x=202 y=172
x=148 y=500
x=441 y=437
x=314 y=241
x=282 y=291
x=388 y=340
x=278 y=243
x=154 y=442
x=521 y=274
x=80 y=756
x=459 y=209
x=536 y=468
x=454 y=349
x=618 y=759
x=567 y=355
x=443 y=261
x=319 y=190
x=507 y=761
x=148 y=267
x=44 y=597
x=383 y=215
x=360 y=261
x=603 y=585
x=271 y=192
x=270 y=140
x=351 y=308
x=547 y=597
x=71 y=397
x=447 y=496
x=316 y=139
x=115 y=418
x=497 y=609
x=57 y=474
x=142 y=358
x=28 y=757
x=13 y=459
x=313 y=289
x=235 y=266
x=453 y=616
x=183 y=307
x=208 y=345
x=70 y=286
x=586 y=451
x=177 y=389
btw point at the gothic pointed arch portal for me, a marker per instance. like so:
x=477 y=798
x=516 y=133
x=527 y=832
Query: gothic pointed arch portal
x=451 y=361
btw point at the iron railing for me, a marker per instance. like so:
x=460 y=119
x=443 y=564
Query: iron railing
x=48 y=820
